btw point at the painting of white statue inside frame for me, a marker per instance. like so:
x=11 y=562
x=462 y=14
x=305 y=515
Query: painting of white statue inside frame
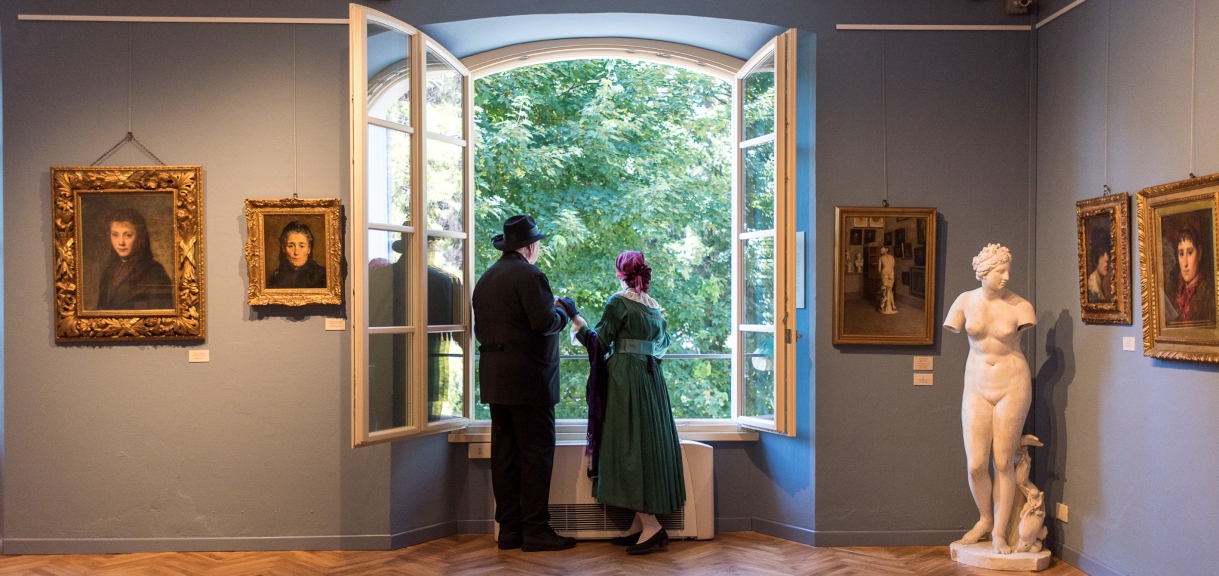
x=872 y=305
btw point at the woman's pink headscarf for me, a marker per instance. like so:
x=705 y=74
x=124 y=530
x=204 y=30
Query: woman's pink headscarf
x=633 y=270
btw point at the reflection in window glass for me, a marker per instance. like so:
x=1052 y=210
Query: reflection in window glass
x=389 y=73
x=387 y=278
x=445 y=294
x=759 y=99
x=759 y=194
x=445 y=375
x=445 y=176
x=389 y=176
x=759 y=280
x=444 y=95
x=388 y=363
x=759 y=374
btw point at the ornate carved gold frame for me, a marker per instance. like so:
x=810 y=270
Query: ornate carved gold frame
x=187 y=321
x=1116 y=206
x=843 y=224
x=1160 y=340
x=256 y=253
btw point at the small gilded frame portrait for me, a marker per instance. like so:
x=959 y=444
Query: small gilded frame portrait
x=294 y=251
x=1104 y=259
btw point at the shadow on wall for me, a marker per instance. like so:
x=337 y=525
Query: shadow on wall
x=792 y=460
x=1049 y=409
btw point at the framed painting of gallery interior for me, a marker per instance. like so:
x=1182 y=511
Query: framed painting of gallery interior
x=870 y=305
x=1103 y=226
x=128 y=253
x=294 y=251
x=1177 y=243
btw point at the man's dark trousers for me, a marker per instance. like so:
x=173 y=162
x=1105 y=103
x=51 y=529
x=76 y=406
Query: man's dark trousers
x=522 y=453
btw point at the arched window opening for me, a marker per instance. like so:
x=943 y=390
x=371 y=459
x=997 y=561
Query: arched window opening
x=614 y=154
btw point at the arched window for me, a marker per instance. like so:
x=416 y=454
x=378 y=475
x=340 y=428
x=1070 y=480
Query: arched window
x=412 y=225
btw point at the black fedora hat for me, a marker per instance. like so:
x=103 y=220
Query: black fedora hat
x=519 y=231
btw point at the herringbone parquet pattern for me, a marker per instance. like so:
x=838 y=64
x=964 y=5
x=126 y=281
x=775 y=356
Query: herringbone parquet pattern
x=730 y=553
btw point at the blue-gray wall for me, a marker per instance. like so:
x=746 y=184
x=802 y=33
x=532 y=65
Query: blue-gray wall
x=170 y=455
x=1132 y=448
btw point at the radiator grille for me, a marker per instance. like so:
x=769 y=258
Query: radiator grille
x=599 y=517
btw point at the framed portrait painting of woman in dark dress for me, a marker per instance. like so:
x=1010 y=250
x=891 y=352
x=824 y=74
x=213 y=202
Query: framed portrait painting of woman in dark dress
x=1177 y=244
x=294 y=251
x=128 y=253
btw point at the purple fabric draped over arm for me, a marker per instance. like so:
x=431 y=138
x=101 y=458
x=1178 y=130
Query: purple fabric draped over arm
x=595 y=395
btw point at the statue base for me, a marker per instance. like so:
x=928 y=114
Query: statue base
x=982 y=555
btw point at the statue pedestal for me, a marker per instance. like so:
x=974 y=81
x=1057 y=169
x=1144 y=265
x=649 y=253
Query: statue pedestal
x=982 y=555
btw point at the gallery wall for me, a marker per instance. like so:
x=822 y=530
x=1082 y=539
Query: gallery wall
x=1131 y=439
x=129 y=447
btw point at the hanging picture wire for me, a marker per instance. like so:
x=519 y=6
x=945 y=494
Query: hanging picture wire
x=134 y=142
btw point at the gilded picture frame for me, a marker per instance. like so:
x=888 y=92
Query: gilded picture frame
x=1103 y=230
x=127 y=259
x=1178 y=228
x=294 y=251
x=872 y=306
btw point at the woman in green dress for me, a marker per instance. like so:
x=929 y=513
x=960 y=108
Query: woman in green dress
x=639 y=462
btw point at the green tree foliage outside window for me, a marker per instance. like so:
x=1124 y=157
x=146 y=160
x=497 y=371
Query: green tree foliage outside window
x=614 y=155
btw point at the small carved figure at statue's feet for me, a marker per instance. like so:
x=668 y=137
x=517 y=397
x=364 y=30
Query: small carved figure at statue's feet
x=1000 y=545
x=978 y=532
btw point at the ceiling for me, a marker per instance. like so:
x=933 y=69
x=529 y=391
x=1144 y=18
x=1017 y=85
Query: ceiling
x=735 y=38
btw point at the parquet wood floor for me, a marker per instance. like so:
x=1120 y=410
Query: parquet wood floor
x=730 y=553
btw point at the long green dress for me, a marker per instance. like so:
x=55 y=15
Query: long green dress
x=640 y=463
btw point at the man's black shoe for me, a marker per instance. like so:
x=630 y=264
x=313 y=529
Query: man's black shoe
x=546 y=542
x=509 y=541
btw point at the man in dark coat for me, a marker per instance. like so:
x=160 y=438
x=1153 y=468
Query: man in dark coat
x=517 y=322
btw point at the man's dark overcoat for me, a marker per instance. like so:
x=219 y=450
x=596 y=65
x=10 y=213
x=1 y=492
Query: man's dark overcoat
x=518 y=327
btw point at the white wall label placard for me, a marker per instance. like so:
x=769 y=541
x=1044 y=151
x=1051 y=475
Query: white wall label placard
x=199 y=356
x=923 y=379
x=1128 y=343
x=336 y=324
x=923 y=363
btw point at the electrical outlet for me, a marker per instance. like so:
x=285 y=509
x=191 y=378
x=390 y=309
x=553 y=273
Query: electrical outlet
x=1060 y=511
x=480 y=450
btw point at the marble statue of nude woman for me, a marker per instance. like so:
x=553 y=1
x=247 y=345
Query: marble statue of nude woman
x=998 y=391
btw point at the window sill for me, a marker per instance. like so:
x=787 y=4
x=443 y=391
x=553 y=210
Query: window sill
x=573 y=431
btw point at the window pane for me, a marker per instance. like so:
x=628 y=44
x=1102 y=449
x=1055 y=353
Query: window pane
x=759 y=99
x=758 y=198
x=699 y=387
x=446 y=296
x=758 y=370
x=446 y=375
x=444 y=95
x=387 y=278
x=388 y=366
x=759 y=279
x=389 y=176
x=389 y=74
x=445 y=176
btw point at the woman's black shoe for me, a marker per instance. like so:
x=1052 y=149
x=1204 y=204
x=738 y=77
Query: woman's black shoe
x=658 y=541
x=628 y=540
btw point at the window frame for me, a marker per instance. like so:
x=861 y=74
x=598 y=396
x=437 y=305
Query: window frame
x=415 y=248
x=467 y=429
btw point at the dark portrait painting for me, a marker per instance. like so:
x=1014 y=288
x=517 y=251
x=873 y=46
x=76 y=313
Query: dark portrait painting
x=899 y=235
x=295 y=248
x=1188 y=257
x=1098 y=259
x=869 y=235
x=888 y=238
x=856 y=237
x=127 y=252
